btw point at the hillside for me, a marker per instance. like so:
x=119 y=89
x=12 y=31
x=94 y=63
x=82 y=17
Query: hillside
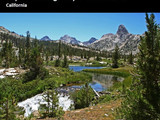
x=4 y=30
x=126 y=41
x=69 y=43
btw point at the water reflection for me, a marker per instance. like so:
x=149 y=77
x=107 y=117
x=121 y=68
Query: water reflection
x=101 y=82
x=80 y=68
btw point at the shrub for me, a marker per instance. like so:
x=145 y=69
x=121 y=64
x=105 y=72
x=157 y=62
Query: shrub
x=83 y=97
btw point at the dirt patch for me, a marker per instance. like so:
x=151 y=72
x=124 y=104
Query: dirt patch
x=98 y=112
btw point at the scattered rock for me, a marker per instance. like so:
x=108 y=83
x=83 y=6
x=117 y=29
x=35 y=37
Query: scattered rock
x=10 y=72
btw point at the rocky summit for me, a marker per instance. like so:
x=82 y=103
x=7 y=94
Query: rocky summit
x=122 y=30
x=70 y=40
x=126 y=41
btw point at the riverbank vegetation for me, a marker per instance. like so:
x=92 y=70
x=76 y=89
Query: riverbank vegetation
x=118 y=87
x=17 y=90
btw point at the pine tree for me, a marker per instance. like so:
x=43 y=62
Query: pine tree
x=115 y=57
x=144 y=94
x=20 y=55
x=12 y=55
x=36 y=62
x=130 y=58
x=35 y=66
x=65 y=62
x=57 y=63
x=51 y=108
x=5 y=53
x=8 y=103
x=85 y=55
x=98 y=58
x=47 y=58
x=8 y=53
x=55 y=109
x=35 y=42
x=124 y=58
x=81 y=56
x=9 y=109
x=149 y=64
x=59 y=49
x=27 y=47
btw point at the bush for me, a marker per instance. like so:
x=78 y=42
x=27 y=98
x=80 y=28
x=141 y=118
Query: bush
x=32 y=74
x=104 y=98
x=43 y=73
x=83 y=97
x=57 y=63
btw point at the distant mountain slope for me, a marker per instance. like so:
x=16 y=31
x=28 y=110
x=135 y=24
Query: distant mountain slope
x=70 y=40
x=126 y=41
x=4 y=30
x=45 y=38
x=90 y=41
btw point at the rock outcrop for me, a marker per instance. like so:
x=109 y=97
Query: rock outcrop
x=126 y=41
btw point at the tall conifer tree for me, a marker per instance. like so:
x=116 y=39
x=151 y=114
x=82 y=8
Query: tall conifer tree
x=149 y=64
x=130 y=58
x=144 y=93
x=115 y=57
x=65 y=62
x=28 y=47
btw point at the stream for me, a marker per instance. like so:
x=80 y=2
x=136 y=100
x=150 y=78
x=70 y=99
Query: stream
x=100 y=82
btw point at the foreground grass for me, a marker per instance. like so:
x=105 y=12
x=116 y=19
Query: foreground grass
x=98 y=112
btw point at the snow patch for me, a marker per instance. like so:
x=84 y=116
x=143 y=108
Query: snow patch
x=32 y=104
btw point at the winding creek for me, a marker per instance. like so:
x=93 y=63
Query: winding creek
x=100 y=82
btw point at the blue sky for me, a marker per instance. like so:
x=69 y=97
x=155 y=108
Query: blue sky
x=82 y=26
